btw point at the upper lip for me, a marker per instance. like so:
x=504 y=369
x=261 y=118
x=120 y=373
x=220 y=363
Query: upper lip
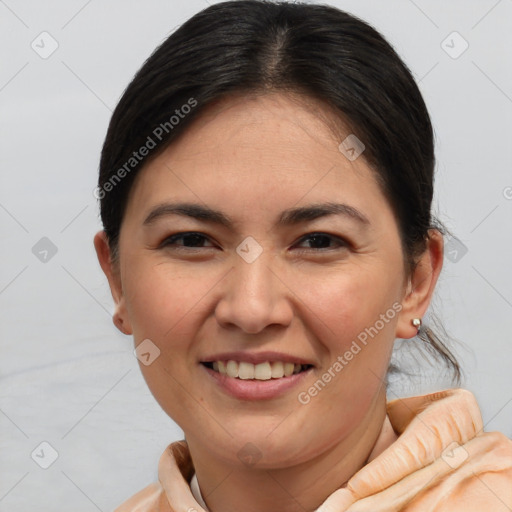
x=256 y=357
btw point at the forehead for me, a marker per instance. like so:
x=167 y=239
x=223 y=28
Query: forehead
x=271 y=149
x=260 y=117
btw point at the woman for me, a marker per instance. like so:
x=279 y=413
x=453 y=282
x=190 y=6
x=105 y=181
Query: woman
x=266 y=184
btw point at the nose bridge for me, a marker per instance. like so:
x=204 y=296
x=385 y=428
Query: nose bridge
x=253 y=268
x=254 y=297
x=254 y=279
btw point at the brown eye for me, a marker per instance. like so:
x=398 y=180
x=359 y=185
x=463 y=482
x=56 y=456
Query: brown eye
x=187 y=239
x=323 y=241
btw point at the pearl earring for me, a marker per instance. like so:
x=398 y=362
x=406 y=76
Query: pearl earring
x=416 y=322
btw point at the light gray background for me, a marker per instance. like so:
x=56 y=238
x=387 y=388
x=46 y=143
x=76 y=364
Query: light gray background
x=68 y=376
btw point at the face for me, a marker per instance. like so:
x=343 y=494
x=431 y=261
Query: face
x=261 y=268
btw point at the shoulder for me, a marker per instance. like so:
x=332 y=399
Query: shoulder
x=482 y=480
x=150 y=499
x=442 y=460
x=175 y=470
x=467 y=469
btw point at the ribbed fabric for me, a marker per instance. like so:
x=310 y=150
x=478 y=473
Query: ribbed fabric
x=442 y=461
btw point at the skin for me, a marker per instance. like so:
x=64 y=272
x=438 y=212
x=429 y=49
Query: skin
x=252 y=158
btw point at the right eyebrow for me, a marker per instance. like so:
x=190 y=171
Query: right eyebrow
x=288 y=217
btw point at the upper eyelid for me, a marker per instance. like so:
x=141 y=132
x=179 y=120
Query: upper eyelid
x=182 y=234
x=337 y=239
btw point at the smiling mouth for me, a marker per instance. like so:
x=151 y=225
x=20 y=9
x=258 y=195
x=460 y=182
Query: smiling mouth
x=262 y=371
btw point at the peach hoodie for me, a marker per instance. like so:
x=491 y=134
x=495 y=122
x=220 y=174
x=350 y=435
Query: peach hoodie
x=441 y=461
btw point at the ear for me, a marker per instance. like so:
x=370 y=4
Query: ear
x=120 y=317
x=420 y=286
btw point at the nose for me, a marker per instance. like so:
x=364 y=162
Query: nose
x=254 y=297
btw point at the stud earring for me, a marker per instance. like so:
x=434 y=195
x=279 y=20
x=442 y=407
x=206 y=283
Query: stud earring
x=416 y=322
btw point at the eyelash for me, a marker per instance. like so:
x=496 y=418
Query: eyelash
x=169 y=241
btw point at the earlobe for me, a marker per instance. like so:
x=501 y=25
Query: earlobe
x=420 y=287
x=117 y=318
x=120 y=317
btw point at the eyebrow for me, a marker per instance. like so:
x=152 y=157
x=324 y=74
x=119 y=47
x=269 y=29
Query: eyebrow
x=288 y=217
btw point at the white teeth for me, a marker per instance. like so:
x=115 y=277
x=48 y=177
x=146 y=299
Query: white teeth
x=261 y=371
x=245 y=371
x=277 y=370
x=232 y=369
x=288 y=369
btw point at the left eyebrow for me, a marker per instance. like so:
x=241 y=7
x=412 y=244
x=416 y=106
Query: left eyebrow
x=288 y=217
x=193 y=210
x=315 y=211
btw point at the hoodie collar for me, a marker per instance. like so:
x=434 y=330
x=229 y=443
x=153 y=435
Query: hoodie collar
x=444 y=410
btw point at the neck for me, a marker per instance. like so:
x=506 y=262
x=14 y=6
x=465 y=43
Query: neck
x=299 y=488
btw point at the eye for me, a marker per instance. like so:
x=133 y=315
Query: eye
x=190 y=239
x=319 y=241
x=195 y=240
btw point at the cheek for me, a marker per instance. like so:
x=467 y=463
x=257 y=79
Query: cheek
x=354 y=304
x=360 y=318
x=361 y=310
x=164 y=306
x=161 y=300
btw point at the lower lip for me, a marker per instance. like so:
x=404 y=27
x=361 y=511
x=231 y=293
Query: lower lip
x=252 y=389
